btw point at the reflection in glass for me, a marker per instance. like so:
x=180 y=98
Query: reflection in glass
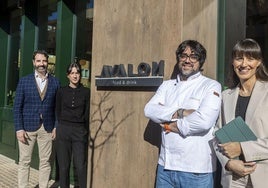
x=257 y=24
x=47 y=31
x=14 y=58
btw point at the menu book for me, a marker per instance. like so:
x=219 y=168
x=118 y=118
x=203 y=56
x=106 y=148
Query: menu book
x=235 y=131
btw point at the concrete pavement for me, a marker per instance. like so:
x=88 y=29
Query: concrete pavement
x=8 y=174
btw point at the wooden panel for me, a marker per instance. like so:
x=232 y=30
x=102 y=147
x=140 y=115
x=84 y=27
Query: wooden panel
x=125 y=150
x=200 y=23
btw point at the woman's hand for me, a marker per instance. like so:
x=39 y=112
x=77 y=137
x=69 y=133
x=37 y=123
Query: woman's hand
x=231 y=149
x=241 y=168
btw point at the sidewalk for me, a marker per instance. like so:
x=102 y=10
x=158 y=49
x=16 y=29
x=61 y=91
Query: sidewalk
x=8 y=174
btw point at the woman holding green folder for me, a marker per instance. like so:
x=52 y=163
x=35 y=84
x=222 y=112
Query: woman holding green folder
x=247 y=97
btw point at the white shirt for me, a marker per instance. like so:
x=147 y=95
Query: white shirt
x=191 y=150
x=41 y=82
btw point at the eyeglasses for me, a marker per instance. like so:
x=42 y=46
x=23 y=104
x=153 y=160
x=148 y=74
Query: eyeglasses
x=192 y=57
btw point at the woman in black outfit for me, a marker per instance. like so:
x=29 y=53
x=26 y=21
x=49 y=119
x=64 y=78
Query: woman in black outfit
x=72 y=109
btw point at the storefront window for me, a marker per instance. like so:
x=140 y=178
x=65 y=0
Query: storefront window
x=85 y=57
x=14 y=57
x=47 y=32
x=257 y=24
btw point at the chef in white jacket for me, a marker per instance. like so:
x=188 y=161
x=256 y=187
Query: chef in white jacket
x=187 y=108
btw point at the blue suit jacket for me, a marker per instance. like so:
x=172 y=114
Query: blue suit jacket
x=28 y=105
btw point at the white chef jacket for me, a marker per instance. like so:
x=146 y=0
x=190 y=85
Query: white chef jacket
x=191 y=150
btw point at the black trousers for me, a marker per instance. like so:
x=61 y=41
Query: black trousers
x=71 y=141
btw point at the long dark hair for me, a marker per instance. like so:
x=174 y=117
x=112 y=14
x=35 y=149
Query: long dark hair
x=249 y=48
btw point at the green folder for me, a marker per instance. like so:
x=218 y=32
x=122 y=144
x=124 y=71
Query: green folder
x=235 y=131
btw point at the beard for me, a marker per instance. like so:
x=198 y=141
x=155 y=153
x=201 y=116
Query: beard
x=41 y=69
x=186 y=73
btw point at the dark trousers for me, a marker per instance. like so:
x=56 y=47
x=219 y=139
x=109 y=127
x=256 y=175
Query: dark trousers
x=71 y=141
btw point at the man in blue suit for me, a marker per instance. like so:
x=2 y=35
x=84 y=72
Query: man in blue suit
x=34 y=119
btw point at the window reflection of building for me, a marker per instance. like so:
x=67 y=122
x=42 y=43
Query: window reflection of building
x=51 y=35
x=14 y=58
x=89 y=30
x=85 y=55
x=85 y=61
x=84 y=72
x=257 y=23
x=29 y=25
x=51 y=64
x=51 y=41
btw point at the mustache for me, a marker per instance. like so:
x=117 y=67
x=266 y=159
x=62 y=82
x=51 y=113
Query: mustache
x=41 y=66
x=188 y=63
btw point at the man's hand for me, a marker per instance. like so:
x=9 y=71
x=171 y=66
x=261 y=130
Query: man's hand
x=241 y=168
x=185 y=113
x=22 y=136
x=231 y=149
x=170 y=127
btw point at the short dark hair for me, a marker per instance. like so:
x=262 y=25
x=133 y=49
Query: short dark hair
x=75 y=65
x=249 y=48
x=40 y=52
x=196 y=47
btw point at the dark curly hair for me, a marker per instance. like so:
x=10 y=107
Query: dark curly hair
x=196 y=47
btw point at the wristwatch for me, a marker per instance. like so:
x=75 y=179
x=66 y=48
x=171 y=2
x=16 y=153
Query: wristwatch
x=180 y=113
